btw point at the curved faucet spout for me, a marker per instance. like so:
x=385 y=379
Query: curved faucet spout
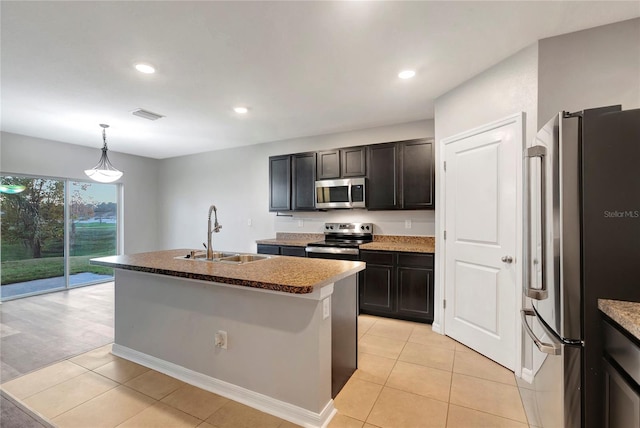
x=216 y=228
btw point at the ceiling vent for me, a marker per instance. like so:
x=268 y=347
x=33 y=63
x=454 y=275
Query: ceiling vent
x=146 y=114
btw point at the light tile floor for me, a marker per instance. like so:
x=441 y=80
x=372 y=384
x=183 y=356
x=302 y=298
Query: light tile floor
x=408 y=377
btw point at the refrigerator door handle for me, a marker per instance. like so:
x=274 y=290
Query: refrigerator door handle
x=535 y=293
x=547 y=348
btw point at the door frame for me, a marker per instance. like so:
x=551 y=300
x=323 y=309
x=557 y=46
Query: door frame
x=440 y=289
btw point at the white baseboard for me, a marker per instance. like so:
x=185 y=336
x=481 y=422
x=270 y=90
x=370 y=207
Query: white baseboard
x=436 y=327
x=281 y=409
x=527 y=375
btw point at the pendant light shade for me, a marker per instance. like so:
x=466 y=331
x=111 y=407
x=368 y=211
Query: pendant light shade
x=104 y=172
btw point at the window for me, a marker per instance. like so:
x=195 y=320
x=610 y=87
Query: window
x=50 y=230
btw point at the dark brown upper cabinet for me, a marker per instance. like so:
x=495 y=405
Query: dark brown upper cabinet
x=382 y=188
x=280 y=183
x=401 y=175
x=292 y=182
x=417 y=174
x=303 y=181
x=353 y=161
x=342 y=163
x=328 y=164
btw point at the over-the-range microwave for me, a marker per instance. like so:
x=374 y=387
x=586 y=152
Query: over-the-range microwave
x=343 y=193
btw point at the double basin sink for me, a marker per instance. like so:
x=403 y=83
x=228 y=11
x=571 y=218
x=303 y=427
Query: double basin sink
x=222 y=257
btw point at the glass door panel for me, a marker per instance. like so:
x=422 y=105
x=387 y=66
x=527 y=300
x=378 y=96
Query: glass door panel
x=32 y=244
x=92 y=230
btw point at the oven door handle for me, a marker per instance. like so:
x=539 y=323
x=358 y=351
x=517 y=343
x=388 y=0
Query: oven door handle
x=548 y=348
x=332 y=250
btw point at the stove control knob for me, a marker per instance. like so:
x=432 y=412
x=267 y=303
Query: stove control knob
x=367 y=227
x=362 y=227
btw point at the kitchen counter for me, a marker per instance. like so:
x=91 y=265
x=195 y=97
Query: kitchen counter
x=627 y=314
x=293 y=239
x=278 y=273
x=410 y=244
x=278 y=334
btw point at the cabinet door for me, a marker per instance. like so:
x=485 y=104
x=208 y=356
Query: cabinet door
x=622 y=403
x=328 y=164
x=268 y=249
x=415 y=293
x=293 y=251
x=280 y=183
x=376 y=289
x=418 y=176
x=354 y=161
x=382 y=187
x=304 y=182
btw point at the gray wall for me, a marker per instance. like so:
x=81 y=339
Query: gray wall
x=591 y=68
x=236 y=181
x=20 y=154
x=509 y=87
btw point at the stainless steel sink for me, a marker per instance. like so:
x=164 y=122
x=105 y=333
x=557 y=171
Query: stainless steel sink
x=242 y=258
x=223 y=257
x=202 y=256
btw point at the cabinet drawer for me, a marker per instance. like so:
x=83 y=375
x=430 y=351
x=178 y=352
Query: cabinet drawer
x=623 y=351
x=268 y=249
x=293 y=251
x=377 y=258
x=415 y=260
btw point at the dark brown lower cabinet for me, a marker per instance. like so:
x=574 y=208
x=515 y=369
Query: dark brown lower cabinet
x=397 y=285
x=621 y=364
x=282 y=250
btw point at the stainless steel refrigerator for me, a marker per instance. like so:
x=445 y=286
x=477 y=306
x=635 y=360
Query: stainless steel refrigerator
x=582 y=243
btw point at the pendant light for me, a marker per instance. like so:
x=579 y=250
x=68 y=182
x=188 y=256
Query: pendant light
x=104 y=172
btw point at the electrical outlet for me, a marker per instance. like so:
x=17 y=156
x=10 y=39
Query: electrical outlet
x=300 y=222
x=407 y=224
x=326 y=308
x=221 y=339
x=249 y=222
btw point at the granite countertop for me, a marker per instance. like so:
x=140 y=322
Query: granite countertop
x=627 y=314
x=410 y=244
x=279 y=273
x=293 y=239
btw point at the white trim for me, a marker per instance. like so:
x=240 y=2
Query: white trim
x=526 y=375
x=439 y=291
x=437 y=328
x=281 y=409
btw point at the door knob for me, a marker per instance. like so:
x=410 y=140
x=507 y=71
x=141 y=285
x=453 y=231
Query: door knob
x=507 y=259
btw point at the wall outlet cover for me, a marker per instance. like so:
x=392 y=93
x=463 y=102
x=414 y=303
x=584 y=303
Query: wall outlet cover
x=221 y=339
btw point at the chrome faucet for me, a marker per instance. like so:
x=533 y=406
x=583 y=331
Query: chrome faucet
x=216 y=228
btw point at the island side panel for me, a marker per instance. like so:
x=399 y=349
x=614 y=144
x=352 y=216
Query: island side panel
x=344 y=327
x=279 y=344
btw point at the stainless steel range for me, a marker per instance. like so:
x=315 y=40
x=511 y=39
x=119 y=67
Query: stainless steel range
x=341 y=241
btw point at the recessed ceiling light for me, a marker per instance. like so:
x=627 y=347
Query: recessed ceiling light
x=240 y=110
x=145 y=68
x=406 y=74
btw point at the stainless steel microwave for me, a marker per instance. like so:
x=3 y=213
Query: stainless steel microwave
x=343 y=193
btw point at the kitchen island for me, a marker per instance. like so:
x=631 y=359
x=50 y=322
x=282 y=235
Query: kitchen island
x=291 y=327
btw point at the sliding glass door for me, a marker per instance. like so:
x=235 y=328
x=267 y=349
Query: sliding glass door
x=50 y=228
x=92 y=231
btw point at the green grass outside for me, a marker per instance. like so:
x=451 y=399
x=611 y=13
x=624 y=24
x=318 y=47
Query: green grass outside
x=91 y=240
x=50 y=267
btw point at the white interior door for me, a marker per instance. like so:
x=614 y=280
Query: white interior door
x=481 y=249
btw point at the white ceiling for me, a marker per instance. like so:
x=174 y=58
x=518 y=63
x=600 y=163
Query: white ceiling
x=303 y=68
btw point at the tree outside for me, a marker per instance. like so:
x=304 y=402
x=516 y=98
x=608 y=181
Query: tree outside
x=33 y=229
